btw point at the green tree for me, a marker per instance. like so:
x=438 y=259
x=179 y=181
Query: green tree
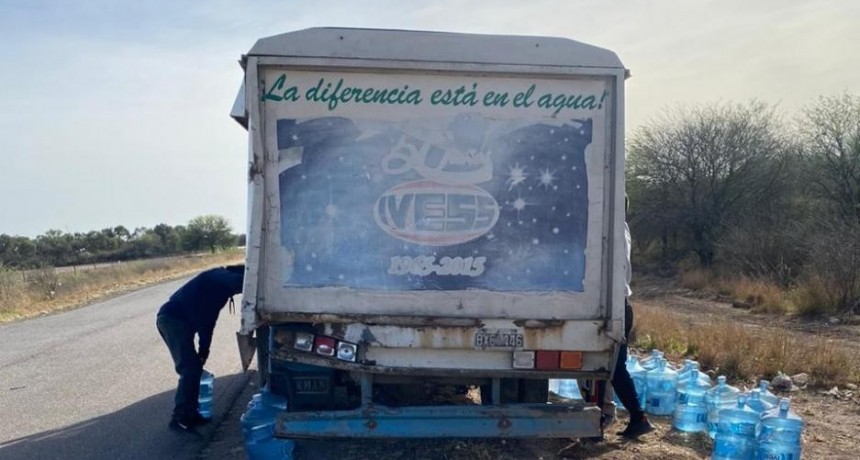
x=208 y=232
x=169 y=238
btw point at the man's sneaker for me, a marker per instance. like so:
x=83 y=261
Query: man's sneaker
x=182 y=426
x=638 y=428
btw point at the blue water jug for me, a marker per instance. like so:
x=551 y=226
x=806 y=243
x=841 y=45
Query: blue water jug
x=691 y=411
x=721 y=396
x=565 y=388
x=661 y=390
x=204 y=399
x=780 y=434
x=689 y=367
x=736 y=433
x=258 y=426
x=757 y=404
x=766 y=395
x=651 y=361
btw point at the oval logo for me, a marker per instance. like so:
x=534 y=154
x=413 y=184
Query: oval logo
x=432 y=214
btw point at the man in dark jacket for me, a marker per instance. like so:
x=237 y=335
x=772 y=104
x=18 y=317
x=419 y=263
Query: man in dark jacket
x=194 y=309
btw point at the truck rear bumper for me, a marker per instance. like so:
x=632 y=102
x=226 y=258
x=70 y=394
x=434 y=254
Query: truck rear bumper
x=505 y=421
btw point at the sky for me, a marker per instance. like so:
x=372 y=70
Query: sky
x=116 y=112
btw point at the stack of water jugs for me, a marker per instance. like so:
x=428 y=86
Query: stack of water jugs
x=755 y=425
x=258 y=426
x=744 y=426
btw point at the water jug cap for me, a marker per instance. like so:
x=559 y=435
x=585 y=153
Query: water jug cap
x=694 y=374
x=755 y=394
x=763 y=384
x=742 y=400
x=721 y=380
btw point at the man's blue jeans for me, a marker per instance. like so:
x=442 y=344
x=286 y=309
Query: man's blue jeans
x=179 y=338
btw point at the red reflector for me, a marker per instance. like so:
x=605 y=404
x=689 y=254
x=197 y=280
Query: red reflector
x=571 y=360
x=546 y=360
x=324 y=345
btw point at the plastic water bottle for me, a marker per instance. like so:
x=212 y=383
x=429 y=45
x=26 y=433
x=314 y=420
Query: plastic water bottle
x=722 y=396
x=779 y=434
x=204 y=400
x=258 y=426
x=651 y=361
x=766 y=395
x=661 y=388
x=565 y=388
x=691 y=411
x=736 y=433
x=757 y=404
x=682 y=376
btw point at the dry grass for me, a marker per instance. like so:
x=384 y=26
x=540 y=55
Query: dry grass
x=696 y=279
x=759 y=295
x=746 y=353
x=48 y=291
x=814 y=297
x=762 y=296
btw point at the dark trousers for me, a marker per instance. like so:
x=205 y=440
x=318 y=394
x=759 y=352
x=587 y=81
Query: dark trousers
x=622 y=383
x=179 y=338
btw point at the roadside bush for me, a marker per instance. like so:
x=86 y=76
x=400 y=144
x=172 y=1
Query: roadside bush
x=11 y=286
x=760 y=295
x=761 y=250
x=835 y=261
x=814 y=297
x=45 y=282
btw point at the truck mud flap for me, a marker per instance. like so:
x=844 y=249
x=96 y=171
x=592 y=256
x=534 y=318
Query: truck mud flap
x=507 y=421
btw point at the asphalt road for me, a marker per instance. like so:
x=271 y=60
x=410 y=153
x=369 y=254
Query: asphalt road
x=98 y=383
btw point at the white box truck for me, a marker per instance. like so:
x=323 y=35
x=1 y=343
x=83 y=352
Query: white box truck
x=432 y=209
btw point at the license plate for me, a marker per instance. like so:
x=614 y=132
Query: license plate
x=499 y=339
x=311 y=385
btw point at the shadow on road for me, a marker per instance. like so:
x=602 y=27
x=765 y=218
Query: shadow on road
x=137 y=431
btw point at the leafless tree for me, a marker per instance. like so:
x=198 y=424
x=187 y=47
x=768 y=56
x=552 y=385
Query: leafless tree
x=706 y=166
x=830 y=137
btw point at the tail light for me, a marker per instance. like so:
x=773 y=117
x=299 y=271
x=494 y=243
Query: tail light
x=326 y=346
x=547 y=360
x=346 y=351
x=570 y=360
x=304 y=341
